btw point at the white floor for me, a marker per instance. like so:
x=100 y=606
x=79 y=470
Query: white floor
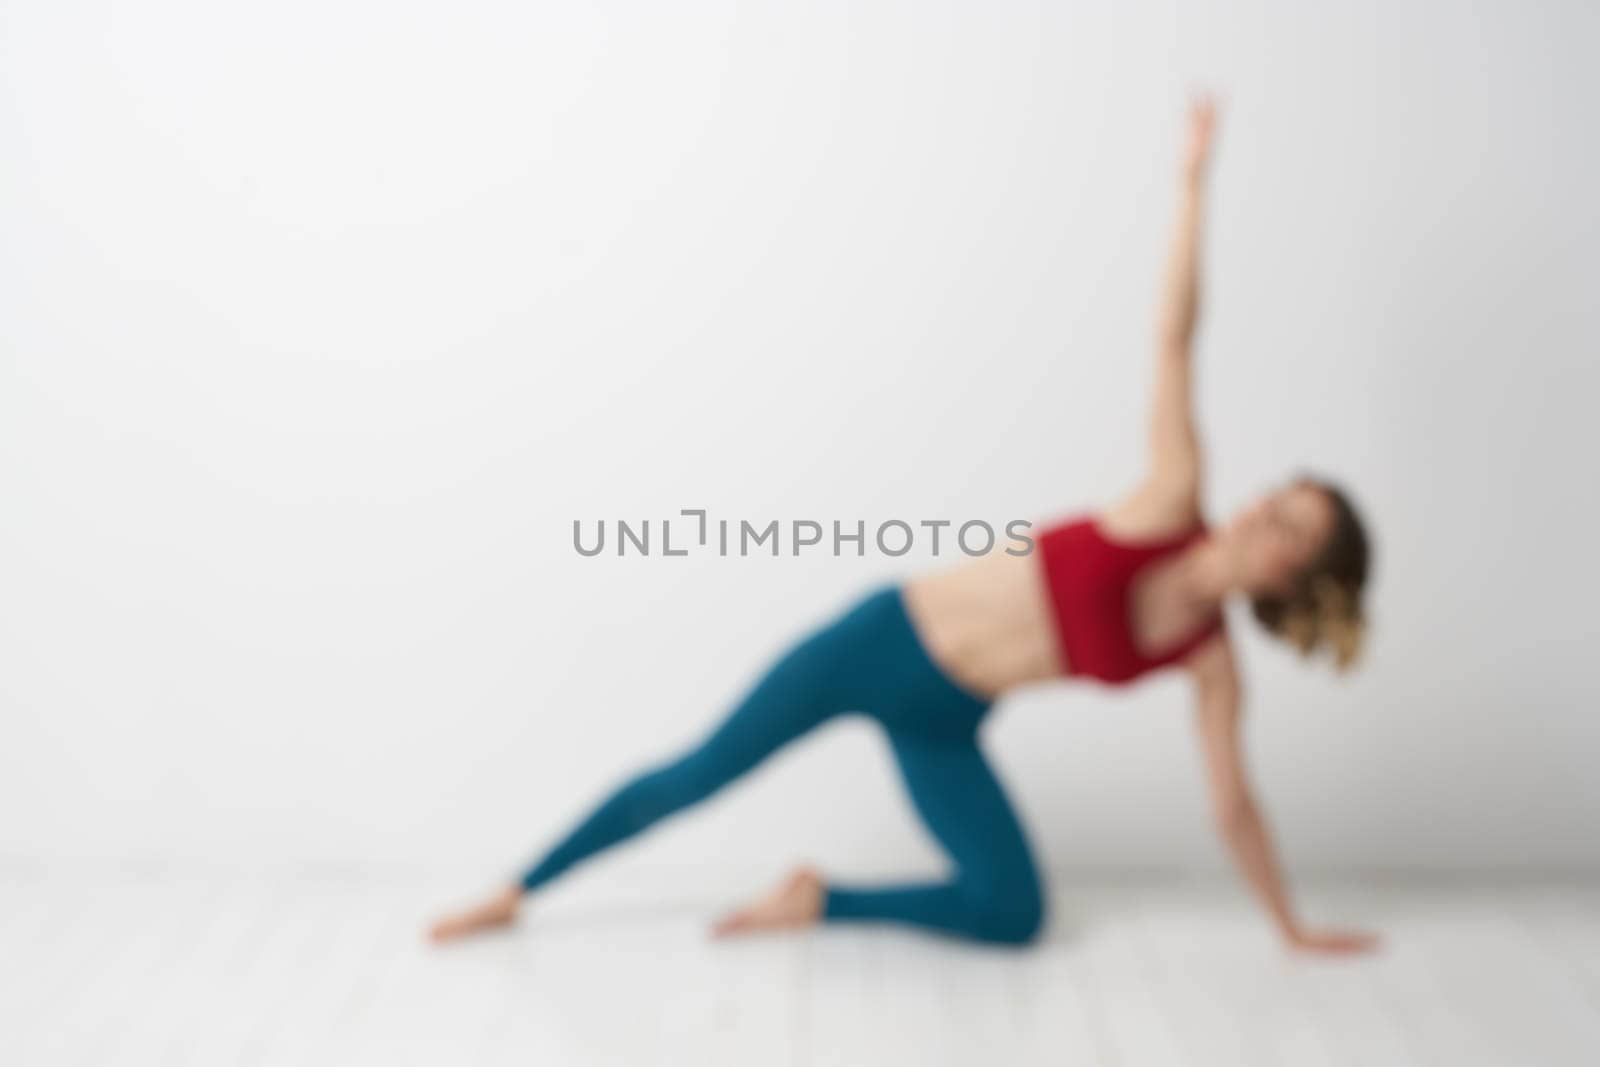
x=213 y=971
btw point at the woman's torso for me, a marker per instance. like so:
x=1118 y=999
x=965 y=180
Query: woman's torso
x=988 y=622
x=1071 y=606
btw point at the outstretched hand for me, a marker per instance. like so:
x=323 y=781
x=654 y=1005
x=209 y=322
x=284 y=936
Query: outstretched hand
x=1201 y=135
x=1332 y=942
x=498 y=911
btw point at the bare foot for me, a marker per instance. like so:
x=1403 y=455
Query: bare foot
x=496 y=912
x=797 y=901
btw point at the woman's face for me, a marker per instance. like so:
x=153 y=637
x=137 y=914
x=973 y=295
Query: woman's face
x=1277 y=535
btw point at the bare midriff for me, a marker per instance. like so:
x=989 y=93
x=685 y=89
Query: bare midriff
x=987 y=622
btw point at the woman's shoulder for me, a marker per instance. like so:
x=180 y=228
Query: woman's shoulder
x=1140 y=528
x=1118 y=528
x=1152 y=514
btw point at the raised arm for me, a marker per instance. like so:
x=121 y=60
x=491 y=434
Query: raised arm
x=1168 y=496
x=1239 y=820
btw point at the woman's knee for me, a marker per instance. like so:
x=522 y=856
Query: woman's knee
x=1015 y=922
x=1010 y=910
x=1022 y=921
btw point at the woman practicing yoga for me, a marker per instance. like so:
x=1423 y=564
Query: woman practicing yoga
x=1111 y=597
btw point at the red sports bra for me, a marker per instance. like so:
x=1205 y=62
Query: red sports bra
x=1089 y=577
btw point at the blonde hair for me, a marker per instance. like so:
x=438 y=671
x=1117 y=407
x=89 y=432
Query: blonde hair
x=1328 y=617
x=1323 y=610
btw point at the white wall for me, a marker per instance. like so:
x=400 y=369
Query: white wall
x=323 y=321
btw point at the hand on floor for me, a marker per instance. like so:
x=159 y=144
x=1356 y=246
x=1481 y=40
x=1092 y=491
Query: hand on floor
x=1333 y=942
x=498 y=911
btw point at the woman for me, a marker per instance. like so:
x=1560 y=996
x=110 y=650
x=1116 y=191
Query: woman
x=1113 y=597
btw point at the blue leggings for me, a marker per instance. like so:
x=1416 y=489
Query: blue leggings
x=868 y=660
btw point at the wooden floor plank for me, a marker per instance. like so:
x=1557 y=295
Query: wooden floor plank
x=300 y=971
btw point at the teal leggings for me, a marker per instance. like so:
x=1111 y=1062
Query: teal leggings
x=867 y=660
